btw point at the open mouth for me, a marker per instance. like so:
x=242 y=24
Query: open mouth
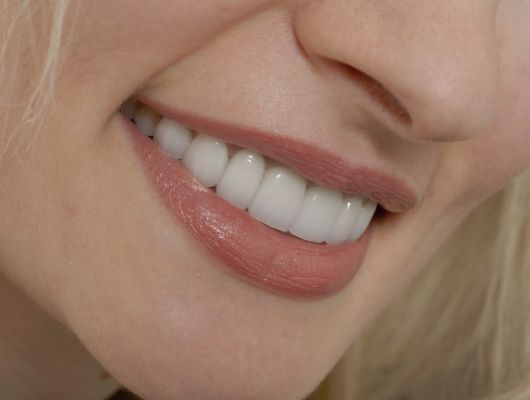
x=271 y=193
x=274 y=227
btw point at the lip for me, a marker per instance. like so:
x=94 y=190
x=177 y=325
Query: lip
x=252 y=251
x=330 y=170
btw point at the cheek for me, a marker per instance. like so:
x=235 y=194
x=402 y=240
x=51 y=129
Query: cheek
x=112 y=63
x=504 y=151
x=475 y=169
x=156 y=24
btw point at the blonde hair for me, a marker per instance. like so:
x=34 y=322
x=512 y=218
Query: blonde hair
x=31 y=36
x=460 y=331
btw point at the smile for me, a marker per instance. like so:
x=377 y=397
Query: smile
x=255 y=213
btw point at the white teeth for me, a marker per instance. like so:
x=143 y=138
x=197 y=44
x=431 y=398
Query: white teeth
x=365 y=216
x=206 y=159
x=278 y=198
x=241 y=178
x=172 y=137
x=343 y=227
x=317 y=214
x=146 y=120
x=274 y=195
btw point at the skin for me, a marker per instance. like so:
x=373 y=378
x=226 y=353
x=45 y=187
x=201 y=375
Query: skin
x=87 y=247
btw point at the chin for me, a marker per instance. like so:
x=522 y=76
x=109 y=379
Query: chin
x=201 y=357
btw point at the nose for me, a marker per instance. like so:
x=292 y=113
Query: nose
x=437 y=60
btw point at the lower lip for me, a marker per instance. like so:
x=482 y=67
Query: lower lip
x=256 y=253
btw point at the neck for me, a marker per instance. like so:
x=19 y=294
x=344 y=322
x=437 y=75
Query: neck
x=40 y=358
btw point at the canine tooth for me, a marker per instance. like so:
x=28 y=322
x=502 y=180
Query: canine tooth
x=241 y=178
x=365 y=216
x=172 y=137
x=146 y=120
x=206 y=158
x=278 y=198
x=317 y=214
x=350 y=210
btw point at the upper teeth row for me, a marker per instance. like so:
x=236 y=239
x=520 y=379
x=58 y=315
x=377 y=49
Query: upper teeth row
x=273 y=194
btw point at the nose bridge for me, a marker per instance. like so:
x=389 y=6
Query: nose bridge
x=437 y=58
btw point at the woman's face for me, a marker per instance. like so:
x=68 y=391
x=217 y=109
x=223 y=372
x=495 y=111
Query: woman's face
x=422 y=106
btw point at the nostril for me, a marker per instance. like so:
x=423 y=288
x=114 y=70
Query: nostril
x=430 y=72
x=434 y=107
x=377 y=92
x=382 y=96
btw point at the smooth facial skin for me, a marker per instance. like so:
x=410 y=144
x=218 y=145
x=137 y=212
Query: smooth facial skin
x=84 y=234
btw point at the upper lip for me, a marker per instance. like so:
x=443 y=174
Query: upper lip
x=317 y=164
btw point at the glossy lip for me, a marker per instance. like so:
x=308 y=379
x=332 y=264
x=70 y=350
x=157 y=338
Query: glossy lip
x=254 y=252
x=330 y=170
